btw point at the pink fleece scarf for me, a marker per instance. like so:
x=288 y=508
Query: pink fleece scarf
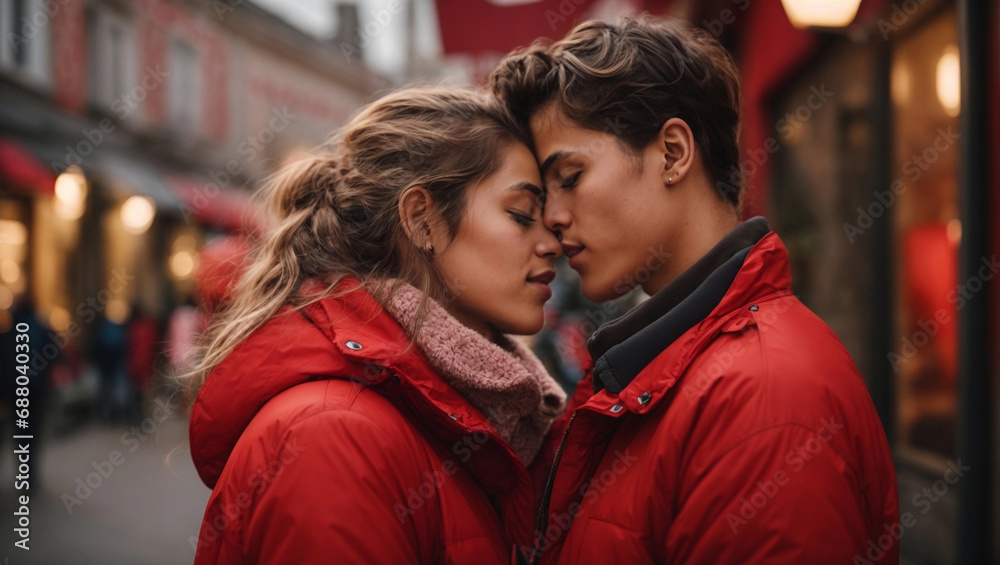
x=511 y=388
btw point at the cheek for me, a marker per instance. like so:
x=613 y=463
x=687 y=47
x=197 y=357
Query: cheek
x=486 y=260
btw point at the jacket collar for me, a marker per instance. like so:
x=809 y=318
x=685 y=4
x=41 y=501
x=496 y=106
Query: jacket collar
x=742 y=238
x=623 y=347
x=764 y=274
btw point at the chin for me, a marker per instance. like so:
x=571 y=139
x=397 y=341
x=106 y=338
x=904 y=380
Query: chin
x=528 y=325
x=599 y=291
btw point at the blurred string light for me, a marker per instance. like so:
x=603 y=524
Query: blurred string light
x=183 y=263
x=71 y=194
x=59 y=319
x=901 y=83
x=949 y=88
x=6 y=298
x=137 y=214
x=184 y=258
x=13 y=232
x=10 y=271
x=118 y=311
x=954 y=231
x=821 y=13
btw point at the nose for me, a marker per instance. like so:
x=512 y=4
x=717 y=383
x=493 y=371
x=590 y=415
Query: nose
x=556 y=214
x=548 y=247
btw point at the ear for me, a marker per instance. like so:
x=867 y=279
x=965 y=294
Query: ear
x=677 y=150
x=416 y=211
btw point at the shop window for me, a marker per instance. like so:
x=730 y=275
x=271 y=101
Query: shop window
x=928 y=295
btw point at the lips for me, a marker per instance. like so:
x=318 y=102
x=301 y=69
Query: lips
x=541 y=282
x=543 y=278
x=572 y=251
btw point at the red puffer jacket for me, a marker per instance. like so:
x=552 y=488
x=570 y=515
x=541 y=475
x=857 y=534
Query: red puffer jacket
x=750 y=439
x=325 y=441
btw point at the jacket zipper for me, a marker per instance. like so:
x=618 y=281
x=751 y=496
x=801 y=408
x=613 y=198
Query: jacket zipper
x=543 y=510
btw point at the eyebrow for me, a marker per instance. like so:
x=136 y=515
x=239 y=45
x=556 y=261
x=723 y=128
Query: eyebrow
x=551 y=159
x=526 y=186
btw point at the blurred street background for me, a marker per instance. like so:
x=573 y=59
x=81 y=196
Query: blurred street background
x=133 y=134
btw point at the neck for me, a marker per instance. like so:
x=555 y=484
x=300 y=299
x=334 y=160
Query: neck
x=473 y=322
x=694 y=240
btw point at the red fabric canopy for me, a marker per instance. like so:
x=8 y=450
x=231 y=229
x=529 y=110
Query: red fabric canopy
x=483 y=26
x=208 y=203
x=23 y=171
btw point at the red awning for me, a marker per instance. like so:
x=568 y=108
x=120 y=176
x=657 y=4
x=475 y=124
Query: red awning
x=478 y=26
x=208 y=203
x=23 y=171
x=498 y=26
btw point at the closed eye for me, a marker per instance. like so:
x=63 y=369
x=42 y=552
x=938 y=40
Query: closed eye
x=570 y=180
x=521 y=219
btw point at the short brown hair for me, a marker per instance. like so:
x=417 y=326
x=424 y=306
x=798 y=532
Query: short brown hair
x=630 y=77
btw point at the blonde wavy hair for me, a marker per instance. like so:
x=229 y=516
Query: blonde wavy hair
x=337 y=213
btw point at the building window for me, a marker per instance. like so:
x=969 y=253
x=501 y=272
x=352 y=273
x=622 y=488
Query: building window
x=185 y=86
x=26 y=26
x=113 y=74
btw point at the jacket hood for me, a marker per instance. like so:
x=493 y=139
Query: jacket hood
x=351 y=336
x=259 y=368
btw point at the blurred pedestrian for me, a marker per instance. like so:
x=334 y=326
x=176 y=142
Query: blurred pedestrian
x=110 y=355
x=143 y=349
x=43 y=355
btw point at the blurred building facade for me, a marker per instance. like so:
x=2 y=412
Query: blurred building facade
x=132 y=133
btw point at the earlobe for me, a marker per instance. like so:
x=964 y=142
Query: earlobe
x=677 y=145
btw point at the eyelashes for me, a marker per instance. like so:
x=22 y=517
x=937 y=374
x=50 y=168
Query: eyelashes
x=521 y=219
x=570 y=180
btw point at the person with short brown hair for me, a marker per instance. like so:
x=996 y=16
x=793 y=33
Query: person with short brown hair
x=722 y=420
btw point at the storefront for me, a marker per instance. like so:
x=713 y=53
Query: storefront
x=880 y=185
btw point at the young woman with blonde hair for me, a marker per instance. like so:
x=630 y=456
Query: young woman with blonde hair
x=358 y=400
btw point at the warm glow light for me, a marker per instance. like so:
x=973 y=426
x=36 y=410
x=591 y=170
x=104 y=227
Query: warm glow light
x=13 y=232
x=59 y=319
x=955 y=231
x=182 y=263
x=71 y=194
x=901 y=83
x=137 y=214
x=118 y=311
x=949 y=88
x=821 y=13
x=10 y=271
x=6 y=298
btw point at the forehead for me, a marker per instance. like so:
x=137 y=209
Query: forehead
x=550 y=125
x=555 y=133
x=517 y=166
